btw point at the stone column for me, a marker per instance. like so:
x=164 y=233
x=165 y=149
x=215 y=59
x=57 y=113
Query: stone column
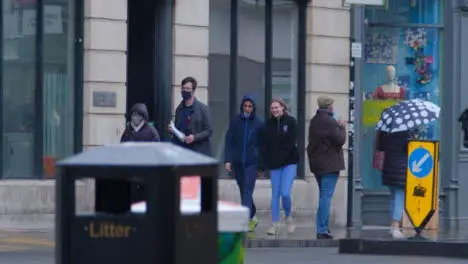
x=328 y=33
x=105 y=70
x=191 y=46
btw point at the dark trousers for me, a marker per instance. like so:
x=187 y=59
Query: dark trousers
x=246 y=177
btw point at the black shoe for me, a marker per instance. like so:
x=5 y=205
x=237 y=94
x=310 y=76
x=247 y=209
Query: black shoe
x=324 y=236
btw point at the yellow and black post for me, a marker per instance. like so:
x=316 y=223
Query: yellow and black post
x=422 y=178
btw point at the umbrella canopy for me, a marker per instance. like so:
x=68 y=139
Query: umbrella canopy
x=407 y=115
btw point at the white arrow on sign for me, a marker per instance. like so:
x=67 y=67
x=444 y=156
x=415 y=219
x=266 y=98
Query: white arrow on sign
x=416 y=166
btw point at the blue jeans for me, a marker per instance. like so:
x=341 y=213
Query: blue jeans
x=398 y=202
x=327 y=184
x=281 y=183
x=246 y=177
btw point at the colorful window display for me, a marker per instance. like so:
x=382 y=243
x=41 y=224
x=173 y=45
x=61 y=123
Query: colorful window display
x=402 y=61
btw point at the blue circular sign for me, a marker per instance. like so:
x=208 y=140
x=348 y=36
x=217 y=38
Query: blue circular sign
x=420 y=162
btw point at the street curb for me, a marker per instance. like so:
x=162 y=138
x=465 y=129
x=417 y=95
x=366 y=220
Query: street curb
x=448 y=249
x=290 y=243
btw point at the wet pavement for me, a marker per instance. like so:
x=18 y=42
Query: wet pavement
x=258 y=256
x=20 y=241
x=305 y=229
x=330 y=256
x=382 y=233
x=37 y=247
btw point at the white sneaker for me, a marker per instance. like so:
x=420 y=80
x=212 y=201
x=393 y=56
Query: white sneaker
x=290 y=226
x=396 y=233
x=273 y=230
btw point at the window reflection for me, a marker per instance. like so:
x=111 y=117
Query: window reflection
x=414 y=54
x=18 y=87
x=58 y=100
x=284 y=63
x=219 y=71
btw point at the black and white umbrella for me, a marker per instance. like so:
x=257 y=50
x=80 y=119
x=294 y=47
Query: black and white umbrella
x=407 y=115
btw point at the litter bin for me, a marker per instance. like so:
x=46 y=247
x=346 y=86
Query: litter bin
x=233 y=220
x=113 y=233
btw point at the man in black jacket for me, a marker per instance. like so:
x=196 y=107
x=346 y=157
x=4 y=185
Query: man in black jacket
x=193 y=119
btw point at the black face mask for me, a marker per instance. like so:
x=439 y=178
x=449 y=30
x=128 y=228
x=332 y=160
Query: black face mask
x=186 y=94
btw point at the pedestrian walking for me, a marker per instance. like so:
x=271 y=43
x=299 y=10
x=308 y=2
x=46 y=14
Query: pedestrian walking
x=325 y=152
x=242 y=153
x=139 y=129
x=280 y=155
x=398 y=124
x=192 y=118
x=395 y=149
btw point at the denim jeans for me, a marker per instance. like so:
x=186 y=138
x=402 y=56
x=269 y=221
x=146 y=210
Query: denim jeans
x=246 y=177
x=327 y=184
x=397 y=203
x=281 y=183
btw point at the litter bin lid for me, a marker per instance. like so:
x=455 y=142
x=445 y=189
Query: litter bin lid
x=157 y=154
x=231 y=217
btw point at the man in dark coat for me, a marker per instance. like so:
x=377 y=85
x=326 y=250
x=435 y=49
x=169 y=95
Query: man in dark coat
x=139 y=129
x=325 y=151
x=192 y=118
x=242 y=147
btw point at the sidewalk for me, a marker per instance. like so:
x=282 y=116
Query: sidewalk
x=26 y=241
x=304 y=235
x=433 y=244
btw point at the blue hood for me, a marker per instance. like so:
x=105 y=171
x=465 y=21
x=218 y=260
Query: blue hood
x=244 y=99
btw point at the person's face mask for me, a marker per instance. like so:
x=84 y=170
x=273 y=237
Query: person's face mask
x=246 y=114
x=136 y=119
x=186 y=94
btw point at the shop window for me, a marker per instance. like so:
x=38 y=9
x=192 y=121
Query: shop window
x=37 y=98
x=406 y=38
x=284 y=62
x=58 y=92
x=251 y=54
x=219 y=75
x=252 y=73
x=19 y=88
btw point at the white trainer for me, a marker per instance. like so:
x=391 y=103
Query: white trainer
x=273 y=230
x=396 y=233
x=290 y=226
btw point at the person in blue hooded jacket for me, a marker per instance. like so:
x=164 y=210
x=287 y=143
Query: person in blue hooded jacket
x=242 y=153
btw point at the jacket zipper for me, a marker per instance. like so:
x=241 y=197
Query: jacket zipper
x=245 y=141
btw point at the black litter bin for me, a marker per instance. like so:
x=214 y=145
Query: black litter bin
x=112 y=234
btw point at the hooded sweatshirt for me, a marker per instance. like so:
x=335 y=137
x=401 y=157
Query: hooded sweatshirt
x=242 y=144
x=145 y=133
x=279 y=142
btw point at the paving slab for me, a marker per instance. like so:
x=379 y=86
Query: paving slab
x=434 y=243
x=263 y=256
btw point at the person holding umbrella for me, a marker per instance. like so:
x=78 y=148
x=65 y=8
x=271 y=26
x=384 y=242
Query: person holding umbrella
x=397 y=125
